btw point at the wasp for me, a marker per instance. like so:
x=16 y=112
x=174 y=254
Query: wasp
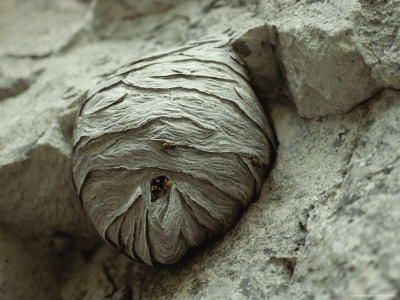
x=257 y=162
x=168 y=145
x=155 y=192
x=160 y=185
x=167 y=186
x=155 y=188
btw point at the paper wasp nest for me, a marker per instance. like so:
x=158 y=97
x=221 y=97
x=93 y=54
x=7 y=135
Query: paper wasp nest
x=169 y=150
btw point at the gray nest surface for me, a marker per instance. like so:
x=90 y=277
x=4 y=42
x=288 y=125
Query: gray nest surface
x=169 y=150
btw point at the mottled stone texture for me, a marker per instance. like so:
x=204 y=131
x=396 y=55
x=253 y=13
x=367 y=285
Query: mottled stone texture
x=327 y=46
x=326 y=223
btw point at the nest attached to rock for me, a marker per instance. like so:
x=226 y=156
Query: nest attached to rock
x=169 y=150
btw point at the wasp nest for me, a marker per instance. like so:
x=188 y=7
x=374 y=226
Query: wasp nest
x=169 y=150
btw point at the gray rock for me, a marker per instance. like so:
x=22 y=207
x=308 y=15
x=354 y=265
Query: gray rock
x=376 y=28
x=25 y=269
x=36 y=29
x=35 y=161
x=11 y=86
x=107 y=15
x=352 y=244
x=321 y=59
x=326 y=223
x=106 y=275
x=324 y=47
x=256 y=51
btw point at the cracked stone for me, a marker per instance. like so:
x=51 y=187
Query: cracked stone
x=326 y=223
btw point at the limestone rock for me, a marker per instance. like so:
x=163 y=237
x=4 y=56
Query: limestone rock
x=356 y=229
x=376 y=29
x=107 y=15
x=35 y=29
x=11 y=86
x=25 y=270
x=326 y=223
x=35 y=163
x=256 y=51
x=321 y=60
x=107 y=275
x=322 y=48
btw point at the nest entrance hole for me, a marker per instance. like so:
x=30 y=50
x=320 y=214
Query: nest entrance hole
x=159 y=186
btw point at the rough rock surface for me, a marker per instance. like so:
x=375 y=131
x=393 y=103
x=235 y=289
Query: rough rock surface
x=326 y=46
x=326 y=223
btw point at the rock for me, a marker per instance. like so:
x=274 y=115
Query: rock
x=107 y=275
x=11 y=86
x=378 y=39
x=25 y=270
x=326 y=223
x=322 y=48
x=35 y=167
x=320 y=57
x=356 y=230
x=256 y=51
x=107 y=15
x=35 y=29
